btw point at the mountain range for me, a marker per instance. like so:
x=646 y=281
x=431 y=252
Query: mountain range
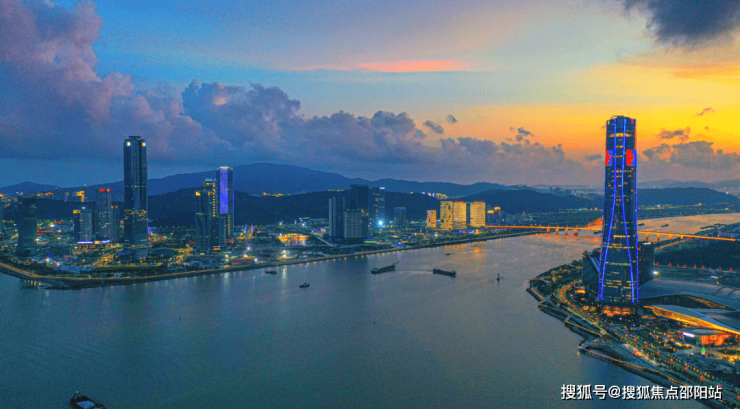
x=259 y=178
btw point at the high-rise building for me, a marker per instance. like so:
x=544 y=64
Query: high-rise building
x=84 y=225
x=459 y=215
x=354 y=221
x=478 y=214
x=359 y=199
x=135 y=199
x=399 y=215
x=104 y=222
x=216 y=222
x=202 y=222
x=431 y=219
x=2 y=216
x=225 y=197
x=446 y=215
x=618 y=262
x=646 y=261
x=377 y=206
x=336 y=218
x=27 y=228
x=79 y=196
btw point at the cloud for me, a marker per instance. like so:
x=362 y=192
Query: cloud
x=521 y=134
x=594 y=157
x=689 y=22
x=681 y=134
x=54 y=104
x=697 y=154
x=434 y=127
x=418 y=66
x=451 y=119
x=706 y=111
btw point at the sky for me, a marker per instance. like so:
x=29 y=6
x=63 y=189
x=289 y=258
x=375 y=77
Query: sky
x=502 y=91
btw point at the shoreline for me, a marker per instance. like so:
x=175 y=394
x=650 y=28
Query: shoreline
x=72 y=283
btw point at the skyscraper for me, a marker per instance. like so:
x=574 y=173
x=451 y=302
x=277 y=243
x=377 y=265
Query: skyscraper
x=354 y=221
x=2 y=216
x=399 y=215
x=459 y=215
x=202 y=221
x=216 y=222
x=431 y=219
x=83 y=225
x=377 y=206
x=478 y=214
x=446 y=215
x=27 y=228
x=336 y=218
x=104 y=222
x=225 y=181
x=135 y=200
x=618 y=262
x=359 y=199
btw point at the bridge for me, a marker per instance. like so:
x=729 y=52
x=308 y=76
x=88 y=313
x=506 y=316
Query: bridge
x=648 y=234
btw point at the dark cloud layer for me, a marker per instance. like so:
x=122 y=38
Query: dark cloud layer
x=689 y=22
x=594 y=157
x=680 y=134
x=451 y=119
x=434 y=127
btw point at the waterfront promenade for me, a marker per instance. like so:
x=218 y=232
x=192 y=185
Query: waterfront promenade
x=66 y=282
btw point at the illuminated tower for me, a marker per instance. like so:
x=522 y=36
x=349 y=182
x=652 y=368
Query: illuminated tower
x=225 y=179
x=202 y=221
x=618 y=263
x=135 y=200
x=217 y=222
x=377 y=206
x=103 y=220
x=27 y=227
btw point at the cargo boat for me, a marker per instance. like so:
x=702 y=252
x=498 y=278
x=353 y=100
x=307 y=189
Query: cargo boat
x=384 y=269
x=452 y=273
x=271 y=272
x=81 y=401
x=304 y=285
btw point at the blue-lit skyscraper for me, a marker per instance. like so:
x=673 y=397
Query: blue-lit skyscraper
x=618 y=272
x=225 y=183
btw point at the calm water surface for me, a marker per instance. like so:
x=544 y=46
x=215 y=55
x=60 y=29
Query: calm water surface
x=404 y=339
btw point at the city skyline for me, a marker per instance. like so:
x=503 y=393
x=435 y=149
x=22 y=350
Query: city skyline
x=512 y=96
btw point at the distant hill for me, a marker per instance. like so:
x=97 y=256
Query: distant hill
x=176 y=208
x=665 y=184
x=259 y=178
x=26 y=188
x=683 y=196
x=528 y=201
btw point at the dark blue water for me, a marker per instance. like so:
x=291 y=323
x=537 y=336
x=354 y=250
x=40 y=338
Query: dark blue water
x=405 y=339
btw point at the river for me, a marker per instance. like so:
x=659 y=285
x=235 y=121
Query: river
x=403 y=339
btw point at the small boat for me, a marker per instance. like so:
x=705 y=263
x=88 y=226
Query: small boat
x=304 y=285
x=384 y=269
x=447 y=254
x=271 y=272
x=81 y=401
x=451 y=273
x=641 y=224
x=498 y=277
x=665 y=225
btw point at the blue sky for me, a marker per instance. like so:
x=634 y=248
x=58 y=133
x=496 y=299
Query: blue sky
x=312 y=75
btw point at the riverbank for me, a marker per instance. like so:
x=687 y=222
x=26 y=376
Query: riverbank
x=73 y=283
